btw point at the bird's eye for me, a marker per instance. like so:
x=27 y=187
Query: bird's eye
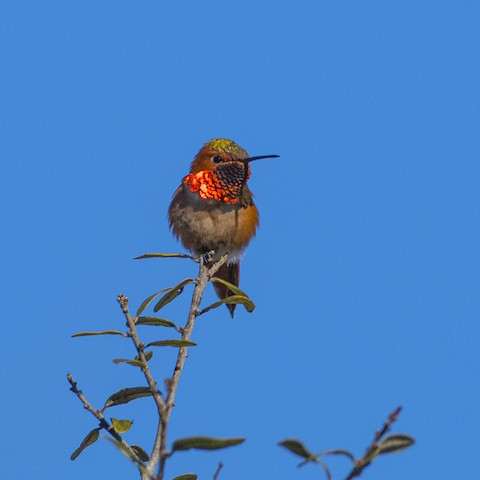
x=217 y=159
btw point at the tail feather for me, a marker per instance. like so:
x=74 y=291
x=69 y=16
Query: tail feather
x=230 y=273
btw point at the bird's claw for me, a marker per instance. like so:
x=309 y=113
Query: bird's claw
x=207 y=257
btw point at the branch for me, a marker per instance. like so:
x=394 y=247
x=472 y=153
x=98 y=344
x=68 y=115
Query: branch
x=371 y=451
x=132 y=333
x=204 y=276
x=217 y=472
x=155 y=456
x=99 y=416
x=159 y=451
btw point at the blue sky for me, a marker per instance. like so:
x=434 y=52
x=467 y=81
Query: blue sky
x=365 y=270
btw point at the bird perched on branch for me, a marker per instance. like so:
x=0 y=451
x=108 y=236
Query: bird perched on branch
x=213 y=208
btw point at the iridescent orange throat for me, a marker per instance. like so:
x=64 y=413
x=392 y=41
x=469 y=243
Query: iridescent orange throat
x=225 y=184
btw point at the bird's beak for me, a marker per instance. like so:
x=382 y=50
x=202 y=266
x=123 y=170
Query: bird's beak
x=251 y=159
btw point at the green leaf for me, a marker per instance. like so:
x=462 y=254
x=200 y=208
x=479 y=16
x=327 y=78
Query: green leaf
x=396 y=443
x=296 y=447
x=155 y=321
x=172 y=343
x=130 y=453
x=148 y=301
x=324 y=467
x=134 y=363
x=336 y=451
x=148 y=356
x=172 y=294
x=233 y=299
x=91 y=438
x=121 y=426
x=241 y=300
x=141 y=453
x=212 y=306
x=186 y=476
x=163 y=255
x=105 y=332
x=233 y=288
x=205 y=443
x=127 y=395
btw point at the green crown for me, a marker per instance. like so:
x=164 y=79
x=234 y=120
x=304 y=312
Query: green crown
x=223 y=145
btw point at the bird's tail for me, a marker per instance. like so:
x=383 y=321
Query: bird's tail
x=230 y=273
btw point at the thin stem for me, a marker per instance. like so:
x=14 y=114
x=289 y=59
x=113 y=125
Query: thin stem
x=201 y=282
x=163 y=446
x=369 y=455
x=205 y=273
x=217 y=472
x=132 y=333
x=98 y=415
x=156 y=456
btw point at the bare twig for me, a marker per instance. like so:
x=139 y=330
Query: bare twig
x=217 y=472
x=371 y=451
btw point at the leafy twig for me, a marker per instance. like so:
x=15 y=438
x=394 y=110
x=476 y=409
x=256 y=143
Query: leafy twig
x=204 y=276
x=379 y=446
x=99 y=416
x=373 y=450
x=155 y=466
x=132 y=333
x=160 y=452
x=205 y=273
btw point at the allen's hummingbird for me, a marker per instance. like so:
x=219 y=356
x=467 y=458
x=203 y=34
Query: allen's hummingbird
x=213 y=208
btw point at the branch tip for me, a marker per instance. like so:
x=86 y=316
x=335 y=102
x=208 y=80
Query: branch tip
x=217 y=472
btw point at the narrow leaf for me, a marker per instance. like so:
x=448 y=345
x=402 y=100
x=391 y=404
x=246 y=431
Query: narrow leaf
x=337 y=451
x=205 y=443
x=105 y=332
x=241 y=300
x=148 y=356
x=212 y=306
x=121 y=426
x=296 y=447
x=324 y=467
x=91 y=438
x=141 y=453
x=130 y=453
x=370 y=456
x=172 y=294
x=234 y=299
x=172 y=343
x=134 y=363
x=186 y=476
x=127 y=395
x=396 y=443
x=163 y=255
x=233 y=288
x=155 y=321
x=148 y=301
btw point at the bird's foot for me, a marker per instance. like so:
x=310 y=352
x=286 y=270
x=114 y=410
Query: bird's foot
x=207 y=257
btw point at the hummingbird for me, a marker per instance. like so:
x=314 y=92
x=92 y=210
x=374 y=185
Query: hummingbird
x=213 y=209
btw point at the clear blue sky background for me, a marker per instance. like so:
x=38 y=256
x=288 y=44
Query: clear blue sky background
x=365 y=271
